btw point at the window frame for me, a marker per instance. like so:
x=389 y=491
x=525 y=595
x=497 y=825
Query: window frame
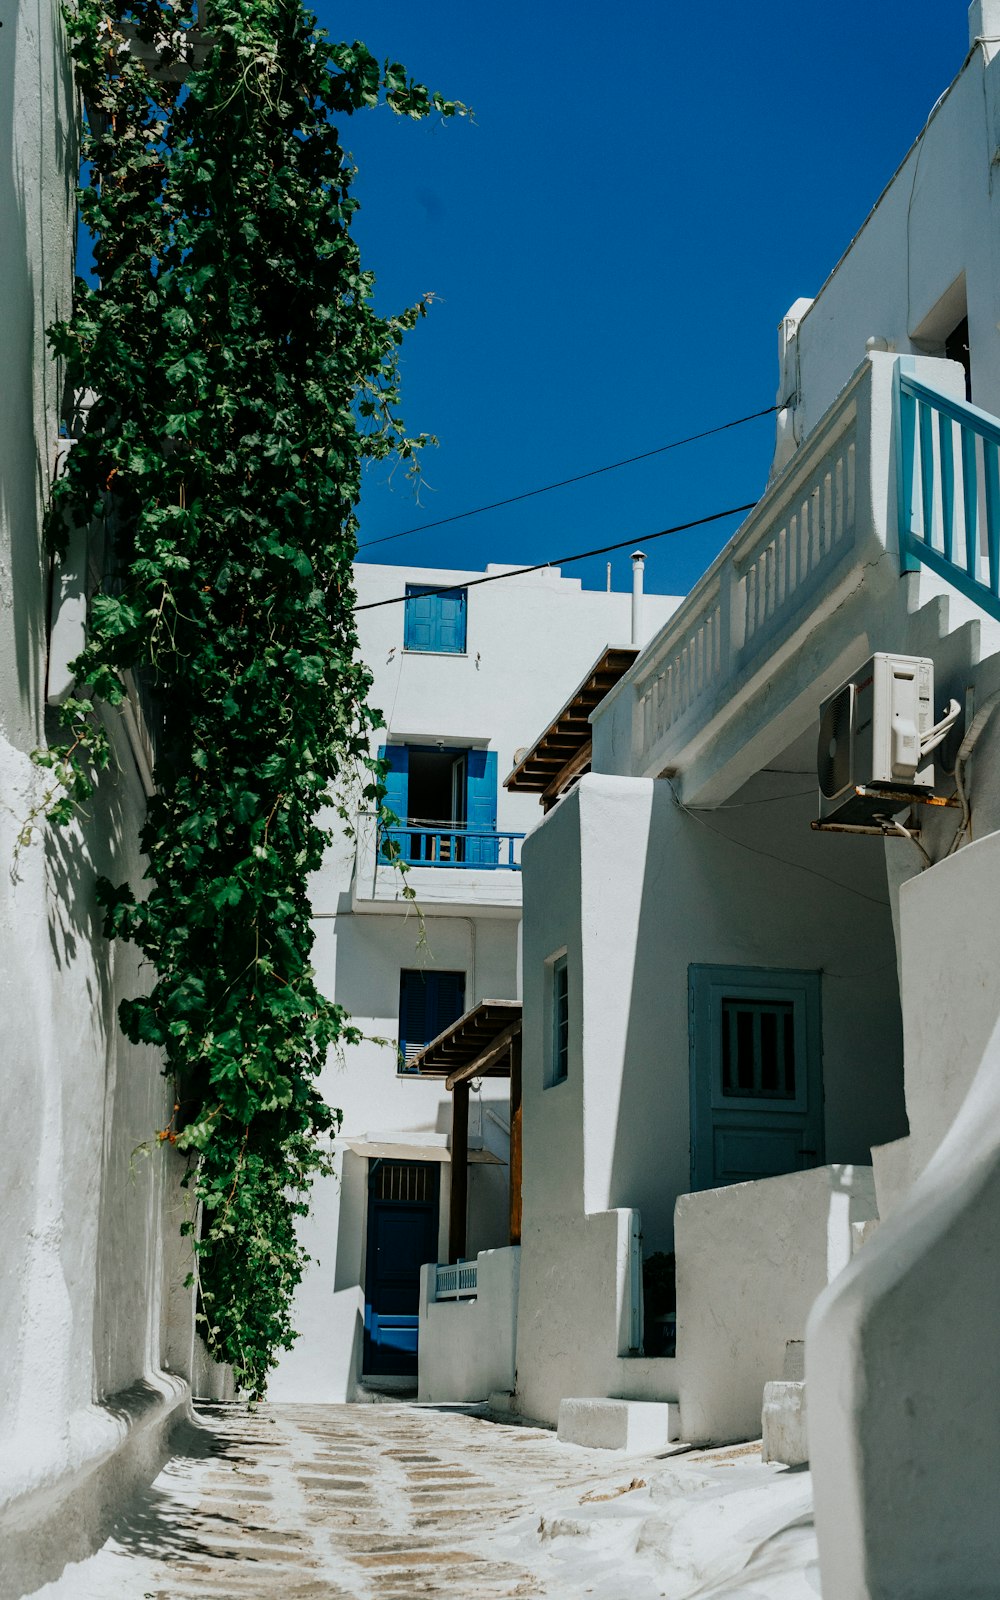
x=557 y=1053
x=418 y=591
x=403 y=1069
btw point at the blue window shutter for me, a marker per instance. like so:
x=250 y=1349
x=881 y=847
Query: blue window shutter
x=451 y=623
x=481 y=807
x=449 y=1000
x=397 y=760
x=428 y=1003
x=413 y=1007
x=434 y=622
x=420 y=624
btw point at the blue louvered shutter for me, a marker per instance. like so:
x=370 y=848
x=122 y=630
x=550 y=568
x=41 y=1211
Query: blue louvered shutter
x=428 y=1003
x=449 y=1001
x=413 y=1006
x=397 y=779
x=481 y=808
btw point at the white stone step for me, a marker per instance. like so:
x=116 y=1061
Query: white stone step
x=783 y=1423
x=639 y=1426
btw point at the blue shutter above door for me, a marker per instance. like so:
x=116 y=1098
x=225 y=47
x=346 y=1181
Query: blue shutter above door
x=434 y=622
x=481 y=808
x=451 y=623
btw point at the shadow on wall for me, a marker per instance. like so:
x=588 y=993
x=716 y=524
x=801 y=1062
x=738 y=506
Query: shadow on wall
x=37 y=179
x=751 y=885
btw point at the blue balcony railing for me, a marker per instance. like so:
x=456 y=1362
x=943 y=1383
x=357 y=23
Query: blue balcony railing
x=422 y=846
x=948 y=455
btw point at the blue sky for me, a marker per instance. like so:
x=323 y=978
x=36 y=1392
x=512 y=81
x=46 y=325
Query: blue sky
x=645 y=189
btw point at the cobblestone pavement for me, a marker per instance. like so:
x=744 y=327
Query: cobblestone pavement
x=402 y=1502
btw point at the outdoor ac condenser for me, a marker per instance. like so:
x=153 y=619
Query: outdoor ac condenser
x=875 y=733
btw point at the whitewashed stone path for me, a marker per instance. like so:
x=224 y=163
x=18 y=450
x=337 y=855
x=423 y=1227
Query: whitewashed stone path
x=401 y=1502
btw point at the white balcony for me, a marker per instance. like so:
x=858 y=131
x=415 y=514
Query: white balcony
x=450 y=871
x=808 y=586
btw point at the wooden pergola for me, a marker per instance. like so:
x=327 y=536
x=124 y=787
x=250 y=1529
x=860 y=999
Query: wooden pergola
x=562 y=753
x=484 y=1043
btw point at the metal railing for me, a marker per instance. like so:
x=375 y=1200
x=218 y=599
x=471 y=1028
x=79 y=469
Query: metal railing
x=948 y=461
x=479 y=848
x=460 y=1281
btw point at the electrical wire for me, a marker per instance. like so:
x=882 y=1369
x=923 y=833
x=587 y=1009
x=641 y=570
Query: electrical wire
x=594 y=472
x=768 y=855
x=562 y=561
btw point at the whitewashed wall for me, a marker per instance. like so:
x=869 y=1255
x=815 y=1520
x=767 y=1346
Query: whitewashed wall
x=902 y=1359
x=467 y=1346
x=91 y=1315
x=926 y=251
x=751 y=1260
x=531 y=640
x=635 y=890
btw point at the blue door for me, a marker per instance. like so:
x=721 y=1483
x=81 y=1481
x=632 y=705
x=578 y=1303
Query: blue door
x=756 y=1074
x=402 y=1236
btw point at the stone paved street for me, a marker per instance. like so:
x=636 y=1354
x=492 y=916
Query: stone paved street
x=401 y=1502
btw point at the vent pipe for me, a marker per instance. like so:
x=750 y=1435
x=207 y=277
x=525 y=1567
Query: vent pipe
x=638 y=564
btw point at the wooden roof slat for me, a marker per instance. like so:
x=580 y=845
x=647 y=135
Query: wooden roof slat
x=467 y=1039
x=560 y=747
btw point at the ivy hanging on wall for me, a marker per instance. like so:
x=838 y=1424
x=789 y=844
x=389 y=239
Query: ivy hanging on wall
x=241 y=377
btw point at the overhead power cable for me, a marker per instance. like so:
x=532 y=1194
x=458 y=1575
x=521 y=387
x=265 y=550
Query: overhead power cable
x=561 y=561
x=594 y=472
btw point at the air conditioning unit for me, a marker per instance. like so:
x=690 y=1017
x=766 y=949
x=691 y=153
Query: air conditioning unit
x=876 y=734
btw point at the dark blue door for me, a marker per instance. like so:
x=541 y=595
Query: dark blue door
x=402 y=1236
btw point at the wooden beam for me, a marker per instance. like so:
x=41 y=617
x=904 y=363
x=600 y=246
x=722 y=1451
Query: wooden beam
x=576 y=765
x=481 y=1064
x=515 y=1140
x=459 y=1172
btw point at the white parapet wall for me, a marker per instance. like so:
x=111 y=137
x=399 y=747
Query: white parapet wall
x=575 y=1314
x=751 y=1260
x=902 y=1353
x=467 y=1346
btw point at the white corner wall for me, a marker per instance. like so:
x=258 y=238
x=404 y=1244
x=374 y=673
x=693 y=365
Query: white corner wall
x=466 y=1349
x=96 y=1329
x=751 y=1260
x=902 y=1355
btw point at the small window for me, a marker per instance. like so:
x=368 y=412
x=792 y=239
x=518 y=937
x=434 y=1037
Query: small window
x=429 y=1002
x=560 y=1021
x=758 y=1049
x=434 y=622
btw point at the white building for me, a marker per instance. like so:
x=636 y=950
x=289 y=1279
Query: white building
x=778 y=1055
x=96 y=1330
x=463 y=679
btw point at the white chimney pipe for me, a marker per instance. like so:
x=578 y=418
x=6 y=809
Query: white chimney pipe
x=638 y=563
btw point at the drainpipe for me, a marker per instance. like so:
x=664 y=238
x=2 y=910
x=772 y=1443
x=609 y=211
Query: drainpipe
x=638 y=563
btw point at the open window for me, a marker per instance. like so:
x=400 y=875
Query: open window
x=945 y=330
x=445 y=800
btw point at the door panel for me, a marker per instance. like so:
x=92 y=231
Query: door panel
x=402 y=1236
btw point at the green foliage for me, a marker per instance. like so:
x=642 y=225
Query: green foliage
x=241 y=377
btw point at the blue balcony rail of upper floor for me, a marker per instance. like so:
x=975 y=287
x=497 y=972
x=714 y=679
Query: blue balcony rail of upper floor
x=948 y=465
x=421 y=844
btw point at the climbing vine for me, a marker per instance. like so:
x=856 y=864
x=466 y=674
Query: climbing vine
x=240 y=377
